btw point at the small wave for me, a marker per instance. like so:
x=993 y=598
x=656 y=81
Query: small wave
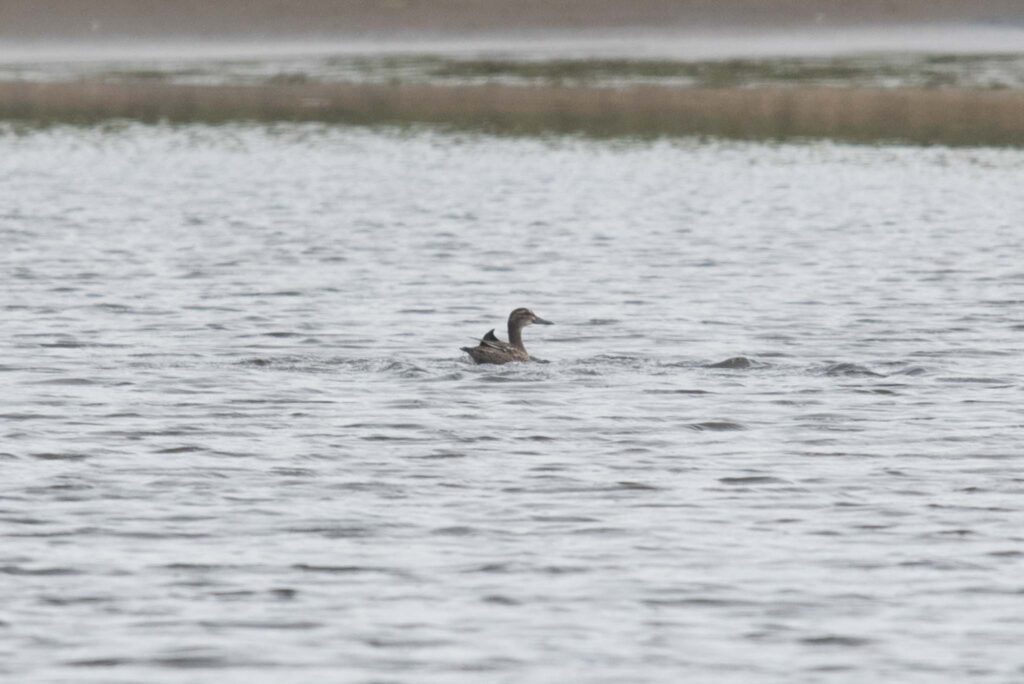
x=99 y=662
x=523 y=374
x=403 y=368
x=696 y=601
x=199 y=567
x=18 y=570
x=51 y=456
x=348 y=569
x=260 y=624
x=75 y=600
x=751 y=479
x=455 y=531
x=313 y=364
x=116 y=308
x=538 y=438
x=850 y=369
x=180 y=450
x=716 y=426
x=737 y=363
x=186 y=662
x=968 y=380
x=75 y=344
x=637 y=486
x=912 y=371
x=835 y=640
x=676 y=391
x=626 y=360
x=65 y=381
x=279 y=293
x=443 y=454
x=499 y=568
x=387 y=426
x=335 y=532
x=302 y=364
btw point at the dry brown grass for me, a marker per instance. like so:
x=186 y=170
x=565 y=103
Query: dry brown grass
x=952 y=117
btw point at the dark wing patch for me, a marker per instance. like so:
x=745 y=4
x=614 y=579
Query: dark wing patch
x=496 y=344
x=489 y=341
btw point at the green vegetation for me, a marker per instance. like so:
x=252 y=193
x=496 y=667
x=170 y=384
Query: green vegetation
x=865 y=71
x=152 y=74
x=927 y=72
x=720 y=74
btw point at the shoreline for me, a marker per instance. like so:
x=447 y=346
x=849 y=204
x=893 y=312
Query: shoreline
x=863 y=115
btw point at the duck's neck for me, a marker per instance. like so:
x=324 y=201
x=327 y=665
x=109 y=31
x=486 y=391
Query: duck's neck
x=515 y=337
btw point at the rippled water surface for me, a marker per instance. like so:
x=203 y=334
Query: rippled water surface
x=776 y=437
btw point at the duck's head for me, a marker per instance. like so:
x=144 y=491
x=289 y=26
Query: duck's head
x=522 y=317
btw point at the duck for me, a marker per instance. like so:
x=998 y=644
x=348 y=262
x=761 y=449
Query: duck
x=492 y=350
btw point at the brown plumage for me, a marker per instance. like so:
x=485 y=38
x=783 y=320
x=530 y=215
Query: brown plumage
x=493 y=350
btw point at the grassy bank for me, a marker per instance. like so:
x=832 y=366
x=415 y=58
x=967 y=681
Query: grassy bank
x=950 y=116
x=988 y=71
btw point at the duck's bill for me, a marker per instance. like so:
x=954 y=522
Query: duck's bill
x=538 y=319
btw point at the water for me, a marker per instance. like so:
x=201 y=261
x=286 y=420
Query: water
x=693 y=42
x=239 y=442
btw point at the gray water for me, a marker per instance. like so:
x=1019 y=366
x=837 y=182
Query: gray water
x=239 y=442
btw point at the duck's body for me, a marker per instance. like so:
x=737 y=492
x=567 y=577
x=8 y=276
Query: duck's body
x=493 y=350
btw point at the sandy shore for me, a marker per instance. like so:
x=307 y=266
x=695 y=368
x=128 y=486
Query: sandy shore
x=951 y=117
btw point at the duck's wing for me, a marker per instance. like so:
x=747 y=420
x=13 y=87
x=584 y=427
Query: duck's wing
x=490 y=341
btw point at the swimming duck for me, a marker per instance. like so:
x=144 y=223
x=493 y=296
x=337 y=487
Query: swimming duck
x=493 y=350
